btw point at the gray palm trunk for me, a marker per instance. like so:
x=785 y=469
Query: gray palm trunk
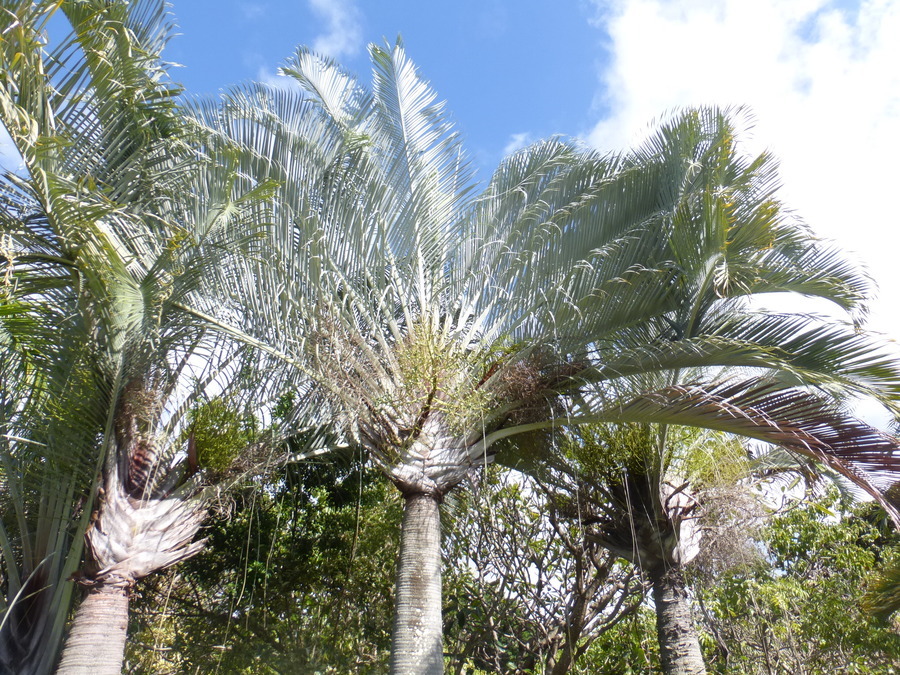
x=96 y=645
x=418 y=625
x=659 y=557
x=431 y=463
x=679 y=645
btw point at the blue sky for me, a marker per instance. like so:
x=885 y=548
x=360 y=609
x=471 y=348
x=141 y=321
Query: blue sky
x=822 y=78
x=508 y=70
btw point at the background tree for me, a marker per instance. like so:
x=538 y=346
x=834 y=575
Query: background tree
x=526 y=592
x=797 y=608
x=882 y=599
x=296 y=575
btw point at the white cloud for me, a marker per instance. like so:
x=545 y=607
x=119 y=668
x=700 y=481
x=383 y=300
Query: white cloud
x=824 y=85
x=517 y=142
x=343 y=36
x=253 y=10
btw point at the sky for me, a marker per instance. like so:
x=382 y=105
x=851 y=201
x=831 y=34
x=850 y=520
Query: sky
x=511 y=71
x=821 y=77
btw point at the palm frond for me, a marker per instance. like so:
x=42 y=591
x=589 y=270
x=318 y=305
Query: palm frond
x=882 y=598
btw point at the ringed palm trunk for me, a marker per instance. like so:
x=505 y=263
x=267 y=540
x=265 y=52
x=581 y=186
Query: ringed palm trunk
x=417 y=636
x=679 y=645
x=427 y=469
x=96 y=645
x=131 y=538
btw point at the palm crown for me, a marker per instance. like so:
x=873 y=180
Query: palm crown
x=114 y=226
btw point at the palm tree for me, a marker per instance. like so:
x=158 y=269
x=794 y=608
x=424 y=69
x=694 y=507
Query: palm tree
x=117 y=229
x=36 y=550
x=653 y=500
x=383 y=301
x=443 y=325
x=768 y=366
x=639 y=494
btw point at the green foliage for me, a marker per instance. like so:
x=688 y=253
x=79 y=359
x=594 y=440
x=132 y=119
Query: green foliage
x=219 y=434
x=630 y=648
x=883 y=597
x=297 y=577
x=604 y=451
x=527 y=591
x=798 y=611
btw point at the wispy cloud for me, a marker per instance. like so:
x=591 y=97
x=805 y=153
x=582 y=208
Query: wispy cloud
x=343 y=35
x=517 y=142
x=823 y=83
x=253 y=10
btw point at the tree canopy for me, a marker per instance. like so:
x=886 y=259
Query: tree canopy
x=195 y=287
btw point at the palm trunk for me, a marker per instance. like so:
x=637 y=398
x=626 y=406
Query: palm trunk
x=417 y=640
x=129 y=539
x=679 y=646
x=96 y=645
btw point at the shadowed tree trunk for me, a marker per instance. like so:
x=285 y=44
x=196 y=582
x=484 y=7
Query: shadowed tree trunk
x=97 y=641
x=417 y=633
x=640 y=517
x=679 y=646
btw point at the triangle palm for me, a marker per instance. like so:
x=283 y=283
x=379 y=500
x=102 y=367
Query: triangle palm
x=777 y=377
x=118 y=226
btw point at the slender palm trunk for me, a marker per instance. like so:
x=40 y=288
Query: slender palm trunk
x=417 y=641
x=679 y=646
x=96 y=645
